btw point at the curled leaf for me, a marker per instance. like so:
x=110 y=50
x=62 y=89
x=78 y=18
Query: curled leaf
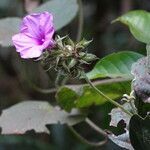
x=117 y=115
x=121 y=140
x=141 y=82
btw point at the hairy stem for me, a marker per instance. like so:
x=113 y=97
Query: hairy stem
x=106 y=97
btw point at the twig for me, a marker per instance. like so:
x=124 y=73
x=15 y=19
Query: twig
x=80 y=21
x=101 y=82
x=85 y=141
x=95 y=127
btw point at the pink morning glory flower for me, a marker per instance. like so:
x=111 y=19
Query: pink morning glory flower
x=36 y=35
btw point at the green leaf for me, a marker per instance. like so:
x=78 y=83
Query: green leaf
x=90 y=97
x=115 y=65
x=8 y=27
x=66 y=98
x=138 y=22
x=139 y=131
x=35 y=115
x=63 y=10
x=80 y=96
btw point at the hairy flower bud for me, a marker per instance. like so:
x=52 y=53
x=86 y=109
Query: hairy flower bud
x=67 y=57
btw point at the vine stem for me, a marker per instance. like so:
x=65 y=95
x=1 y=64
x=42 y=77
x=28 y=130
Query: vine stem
x=103 y=95
x=85 y=141
x=95 y=127
x=80 y=21
x=148 y=57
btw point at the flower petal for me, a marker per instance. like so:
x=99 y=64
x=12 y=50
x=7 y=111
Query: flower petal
x=33 y=52
x=30 y=26
x=46 y=22
x=36 y=34
x=23 y=42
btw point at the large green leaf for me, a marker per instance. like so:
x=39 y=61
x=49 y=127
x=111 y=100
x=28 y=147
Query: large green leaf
x=35 y=115
x=66 y=98
x=115 y=65
x=63 y=10
x=138 y=22
x=84 y=96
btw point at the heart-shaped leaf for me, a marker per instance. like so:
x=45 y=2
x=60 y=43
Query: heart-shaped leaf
x=115 y=65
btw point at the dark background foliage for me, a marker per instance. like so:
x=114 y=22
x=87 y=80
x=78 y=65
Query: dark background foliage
x=16 y=75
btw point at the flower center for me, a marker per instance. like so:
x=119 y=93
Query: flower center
x=41 y=41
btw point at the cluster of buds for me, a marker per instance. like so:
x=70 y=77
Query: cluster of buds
x=67 y=57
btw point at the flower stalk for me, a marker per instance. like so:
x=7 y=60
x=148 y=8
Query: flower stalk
x=106 y=97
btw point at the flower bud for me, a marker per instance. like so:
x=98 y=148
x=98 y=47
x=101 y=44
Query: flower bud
x=67 y=57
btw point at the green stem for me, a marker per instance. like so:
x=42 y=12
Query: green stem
x=148 y=57
x=80 y=21
x=95 y=127
x=57 y=80
x=106 y=97
x=43 y=91
x=85 y=141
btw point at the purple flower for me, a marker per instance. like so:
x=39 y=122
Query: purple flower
x=35 y=36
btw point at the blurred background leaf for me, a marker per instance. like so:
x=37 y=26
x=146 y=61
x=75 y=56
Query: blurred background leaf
x=8 y=27
x=35 y=115
x=63 y=11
